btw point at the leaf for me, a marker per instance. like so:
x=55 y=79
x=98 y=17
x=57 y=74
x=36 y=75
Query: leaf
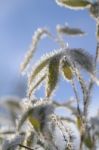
x=35 y=85
x=13 y=107
x=42 y=63
x=83 y=59
x=13 y=104
x=35 y=122
x=39 y=33
x=52 y=75
x=1 y=140
x=98 y=32
x=39 y=112
x=38 y=68
x=79 y=123
x=13 y=143
x=31 y=139
x=73 y=4
x=88 y=142
x=7 y=132
x=67 y=70
x=69 y=31
x=25 y=117
x=94 y=10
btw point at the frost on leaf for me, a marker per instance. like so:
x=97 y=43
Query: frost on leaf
x=42 y=64
x=83 y=59
x=66 y=69
x=13 y=143
x=52 y=75
x=73 y=4
x=66 y=30
x=39 y=33
x=36 y=84
x=37 y=115
x=94 y=10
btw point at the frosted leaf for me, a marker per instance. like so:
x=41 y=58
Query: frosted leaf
x=94 y=10
x=36 y=84
x=66 y=30
x=39 y=33
x=63 y=134
x=73 y=4
x=43 y=63
x=39 y=111
x=13 y=143
x=66 y=69
x=52 y=75
x=83 y=58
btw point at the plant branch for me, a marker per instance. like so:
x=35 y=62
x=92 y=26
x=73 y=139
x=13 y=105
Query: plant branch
x=77 y=98
x=27 y=147
x=91 y=83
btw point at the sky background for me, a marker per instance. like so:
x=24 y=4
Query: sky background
x=18 y=21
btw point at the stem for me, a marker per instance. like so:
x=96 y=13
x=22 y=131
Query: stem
x=90 y=86
x=77 y=97
x=91 y=83
x=60 y=41
x=26 y=147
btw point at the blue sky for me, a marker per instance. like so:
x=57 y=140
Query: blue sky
x=18 y=21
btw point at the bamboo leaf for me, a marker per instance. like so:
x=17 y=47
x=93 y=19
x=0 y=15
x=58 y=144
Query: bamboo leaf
x=35 y=85
x=79 y=123
x=67 y=70
x=13 y=104
x=35 y=122
x=39 y=33
x=73 y=4
x=42 y=63
x=37 y=114
x=69 y=31
x=94 y=10
x=83 y=59
x=37 y=69
x=30 y=139
x=13 y=143
x=52 y=76
x=25 y=117
x=13 y=108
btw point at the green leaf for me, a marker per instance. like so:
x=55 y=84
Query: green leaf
x=34 y=86
x=94 y=10
x=83 y=59
x=13 y=104
x=38 y=68
x=12 y=143
x=42 y=63
x=14 y=107
x=35 y=122
x=30 y=139
x=66 y=30
x=67 y=70
x=39 y=33
x=98 y=32
x=52 y=76
x=37 y=114
x=74 y=4
x=25 y=117
x=79 y=123
x=88 y=142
